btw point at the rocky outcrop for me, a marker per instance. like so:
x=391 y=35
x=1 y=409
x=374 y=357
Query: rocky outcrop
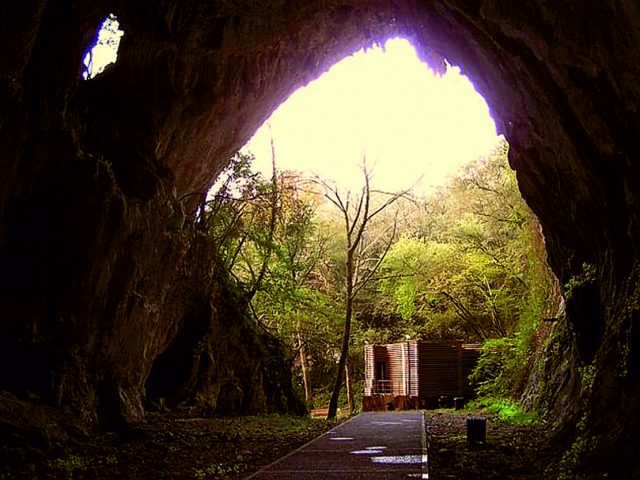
x=99 y=177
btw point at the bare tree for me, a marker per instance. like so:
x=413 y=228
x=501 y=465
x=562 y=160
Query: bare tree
x=357 y=212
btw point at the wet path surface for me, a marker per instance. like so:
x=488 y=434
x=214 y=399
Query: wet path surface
x=375 y=445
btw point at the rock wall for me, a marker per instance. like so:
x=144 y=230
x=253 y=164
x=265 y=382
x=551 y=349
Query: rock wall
x=100 y=177
x=103 y=268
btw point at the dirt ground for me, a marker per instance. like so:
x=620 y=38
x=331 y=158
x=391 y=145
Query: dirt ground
x=232 y=448
x=168 y=448
x=510 y=451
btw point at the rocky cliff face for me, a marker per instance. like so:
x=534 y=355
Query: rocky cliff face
x=102 y=273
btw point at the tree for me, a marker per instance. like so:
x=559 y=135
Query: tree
x=268 y=238
x=471 y=263
x=361 y=263
x=298 y=249
x=239 y=212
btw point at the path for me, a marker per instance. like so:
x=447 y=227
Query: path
x=373 y=445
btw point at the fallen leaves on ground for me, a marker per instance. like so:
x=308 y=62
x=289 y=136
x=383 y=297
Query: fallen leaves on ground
x=510 y=452
x=169 y=448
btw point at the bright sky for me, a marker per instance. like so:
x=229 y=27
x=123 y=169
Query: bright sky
x=389 y=105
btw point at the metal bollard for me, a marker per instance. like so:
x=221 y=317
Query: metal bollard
x=476 y=430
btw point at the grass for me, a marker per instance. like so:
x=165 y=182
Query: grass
x=220 y=469
x=69 y=465
x=505 y=409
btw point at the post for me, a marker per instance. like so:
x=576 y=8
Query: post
x=476 y=430
x=404 y=368
x=461 y=379
x=347 y=381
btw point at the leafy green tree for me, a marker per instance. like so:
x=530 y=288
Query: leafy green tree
x=467 y=268
x=268 y=239
x=291 y=298
x=239 y=213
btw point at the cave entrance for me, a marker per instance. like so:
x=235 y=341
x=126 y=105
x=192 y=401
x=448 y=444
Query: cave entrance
x=95 y=171
x=457 y=265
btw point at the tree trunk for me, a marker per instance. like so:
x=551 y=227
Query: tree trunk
x=304 y=364
x=347 y=382
x=344 y=352
x=335 y=394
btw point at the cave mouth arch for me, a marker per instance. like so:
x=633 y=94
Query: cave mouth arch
x=386 y=105
x=193 y=82
x=549 y=89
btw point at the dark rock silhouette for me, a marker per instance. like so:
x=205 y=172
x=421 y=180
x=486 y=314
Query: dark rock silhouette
x=103 y=278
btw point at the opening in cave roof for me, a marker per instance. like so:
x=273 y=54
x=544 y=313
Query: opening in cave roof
x=104 y=49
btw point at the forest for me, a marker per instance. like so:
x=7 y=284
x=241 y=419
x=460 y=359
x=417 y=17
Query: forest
x=327 y=270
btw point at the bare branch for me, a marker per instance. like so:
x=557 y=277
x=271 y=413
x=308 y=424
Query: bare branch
x=372 y=272
x=272 y=224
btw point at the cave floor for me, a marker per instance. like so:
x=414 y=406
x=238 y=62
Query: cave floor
x=166 y=448
x=372 y=445
x=234 y=448
x=513 y=452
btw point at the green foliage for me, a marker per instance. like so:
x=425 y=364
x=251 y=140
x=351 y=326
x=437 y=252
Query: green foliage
x=271 y=243
x=477 y=272
x=221 y=470
x=70 y=466
x=322 y=397
x=470 y=264
x=586 y=277
x=466 y=263
x=504 y=362
x=505 y=409
x=405 y=299
x=496 y=363
x=587 y=375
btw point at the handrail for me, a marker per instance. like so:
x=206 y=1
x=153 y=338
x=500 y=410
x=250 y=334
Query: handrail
x=386 y=387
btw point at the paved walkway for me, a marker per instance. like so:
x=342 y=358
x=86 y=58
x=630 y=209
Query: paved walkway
x=380 y=445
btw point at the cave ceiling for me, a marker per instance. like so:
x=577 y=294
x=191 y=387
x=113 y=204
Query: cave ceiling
x=95 y=284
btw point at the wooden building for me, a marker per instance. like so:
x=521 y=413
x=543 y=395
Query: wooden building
x=416 y=374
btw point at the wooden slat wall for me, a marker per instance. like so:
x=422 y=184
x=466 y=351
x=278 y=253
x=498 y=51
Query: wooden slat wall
x=374 y=354
x=369 y=369
x=422 y=369
x=438 y=369
x=413 y=369
x=396 y=367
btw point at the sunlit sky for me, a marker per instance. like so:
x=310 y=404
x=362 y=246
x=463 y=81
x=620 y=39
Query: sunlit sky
x=387 y=105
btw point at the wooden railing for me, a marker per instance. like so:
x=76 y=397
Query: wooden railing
x=386 y=387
